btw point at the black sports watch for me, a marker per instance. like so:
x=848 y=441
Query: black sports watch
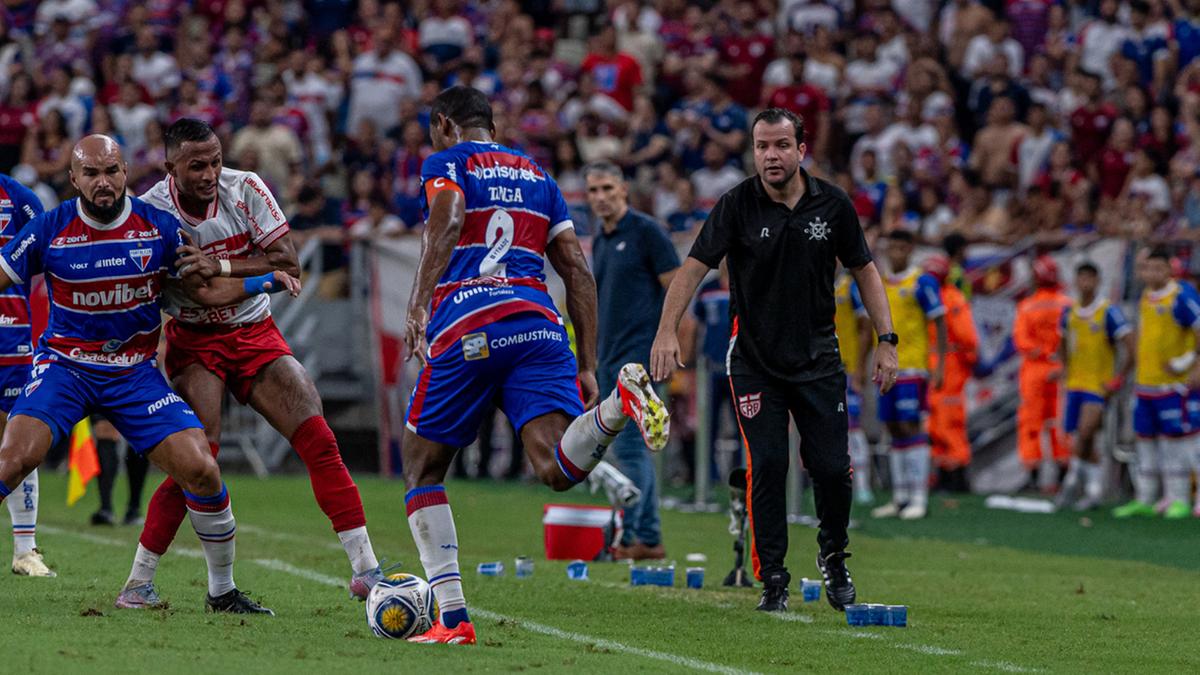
x=890 y=338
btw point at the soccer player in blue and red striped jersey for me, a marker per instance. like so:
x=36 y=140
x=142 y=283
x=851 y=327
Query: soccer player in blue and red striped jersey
x=484 y=328
x=18 y=205
x=106 y=257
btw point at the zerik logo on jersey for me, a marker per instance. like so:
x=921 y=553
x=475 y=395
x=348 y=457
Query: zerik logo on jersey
x=119 y=294
x=141 y=256
x=142 y=234
x=475 y=347
x=750 y=404
x=817 y=229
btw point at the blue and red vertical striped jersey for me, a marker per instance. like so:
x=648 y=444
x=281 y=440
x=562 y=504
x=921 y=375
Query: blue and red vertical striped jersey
x=18 y=206
x=104 y=281
x=513 y=210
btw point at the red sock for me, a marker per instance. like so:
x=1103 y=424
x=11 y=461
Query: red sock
x=166 y=512
x=331 y=483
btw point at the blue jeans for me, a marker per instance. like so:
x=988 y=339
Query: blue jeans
x=633 y=459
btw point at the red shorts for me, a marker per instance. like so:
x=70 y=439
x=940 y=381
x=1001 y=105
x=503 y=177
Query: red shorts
x=235 y=354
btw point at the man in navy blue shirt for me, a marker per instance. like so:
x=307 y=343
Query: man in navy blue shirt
x=633 y=262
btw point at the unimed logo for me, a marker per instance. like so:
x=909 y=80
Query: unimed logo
x=119 y=294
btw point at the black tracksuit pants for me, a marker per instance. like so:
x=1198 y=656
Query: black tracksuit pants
x=818 y=407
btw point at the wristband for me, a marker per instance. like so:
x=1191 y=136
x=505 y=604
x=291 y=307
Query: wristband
x=226 y=267
x=257 y=285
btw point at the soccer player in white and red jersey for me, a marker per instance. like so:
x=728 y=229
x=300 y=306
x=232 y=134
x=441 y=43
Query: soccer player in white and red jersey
x=239 y=231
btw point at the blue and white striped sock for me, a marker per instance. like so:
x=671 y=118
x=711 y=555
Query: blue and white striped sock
x=212 y=518
x=23 y=507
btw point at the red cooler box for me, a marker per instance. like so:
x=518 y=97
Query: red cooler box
x=574 y=532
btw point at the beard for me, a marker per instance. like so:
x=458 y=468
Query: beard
x=104 y=214
x=787 y=176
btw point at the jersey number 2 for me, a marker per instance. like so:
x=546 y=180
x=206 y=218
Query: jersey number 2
x=500 y=231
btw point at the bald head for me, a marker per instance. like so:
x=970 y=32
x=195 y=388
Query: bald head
x=98 y=173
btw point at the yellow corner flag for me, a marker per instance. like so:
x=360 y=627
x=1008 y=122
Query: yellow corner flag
x=83 y=461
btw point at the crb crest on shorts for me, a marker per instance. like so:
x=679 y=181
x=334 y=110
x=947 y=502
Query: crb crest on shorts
x=750 y=404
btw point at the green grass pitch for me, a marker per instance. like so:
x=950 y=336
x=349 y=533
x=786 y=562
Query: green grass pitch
x=987 y=592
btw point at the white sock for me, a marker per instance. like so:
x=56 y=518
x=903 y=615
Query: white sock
x=23 y=507
x=432 y=525
x=1145 y=476
x=1093 y=486
x=1174 y=464
x=587 y=438
x=358 y=549
x=1074 y=474
x=212 y=518
x=918 y=473
x=860 y=459
x=898 y=461
x=145 y=564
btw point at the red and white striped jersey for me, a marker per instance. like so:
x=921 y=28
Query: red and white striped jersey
x=240 y=223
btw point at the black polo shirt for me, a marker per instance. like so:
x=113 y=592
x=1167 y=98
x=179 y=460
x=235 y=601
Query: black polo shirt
x=627 y=263
x=781 y=271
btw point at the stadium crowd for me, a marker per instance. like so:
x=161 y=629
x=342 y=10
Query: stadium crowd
x=1004 y=121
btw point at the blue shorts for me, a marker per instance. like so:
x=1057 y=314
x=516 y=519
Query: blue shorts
x=853 y=404
x=1163 y=414
x=138 y=402
x=904 y=402
x=1075 y=402
x=522 y=363
x=12 y=379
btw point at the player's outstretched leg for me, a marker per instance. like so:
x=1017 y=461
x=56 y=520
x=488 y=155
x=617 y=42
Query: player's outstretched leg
x=284 y=394
x=184 y=457
x=432 y=524
x=23 y=507
x=167 y=510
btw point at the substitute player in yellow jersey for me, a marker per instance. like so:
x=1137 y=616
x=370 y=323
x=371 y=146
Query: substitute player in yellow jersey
x=915 y=300
x=1093 y=328
x=854 y=336
x=1168 y=324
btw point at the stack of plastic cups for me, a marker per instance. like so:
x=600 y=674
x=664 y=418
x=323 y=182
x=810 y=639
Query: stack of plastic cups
x=810 y=589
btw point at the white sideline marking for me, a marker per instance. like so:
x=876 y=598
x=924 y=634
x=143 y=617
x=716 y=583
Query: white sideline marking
x=312 y=575
x=1004 y=666
x=106 y=541
x=788 y=616
x=285 y=536
x=693 y=664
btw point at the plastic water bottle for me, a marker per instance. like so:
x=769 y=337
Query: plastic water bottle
x=896 y=615
x=695 y=577
x=577 y=570
x=524 y=567
x=857 y=615
x=491 y=569
x=810 y=589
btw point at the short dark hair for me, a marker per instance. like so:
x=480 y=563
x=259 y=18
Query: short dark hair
x=185 y=130
x=954 y=243
x=1161 y=253
x=465 y=106
x=777 y=115
x=1087 y=267
x=902 y=235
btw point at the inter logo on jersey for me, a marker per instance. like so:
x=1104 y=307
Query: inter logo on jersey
x=141 y=256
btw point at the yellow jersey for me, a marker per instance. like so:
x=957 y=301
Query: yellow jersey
x=1166 y=319
x=845 y=321
x=1091 y=334
x=915 y=299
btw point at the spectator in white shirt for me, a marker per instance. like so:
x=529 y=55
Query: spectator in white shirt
x=716 y=178
x=382 y=80
x=75 y=11
x=155 y=70
x=67 y=104
x=983 y=48
x=1100 y=39
x=311 y=89
x=444 y=35
x=1034 y=148
x=276 y=147
x=1147 y=184
x=130 y=117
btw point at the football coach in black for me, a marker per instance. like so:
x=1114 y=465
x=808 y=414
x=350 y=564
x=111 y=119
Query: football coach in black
x=782 y=233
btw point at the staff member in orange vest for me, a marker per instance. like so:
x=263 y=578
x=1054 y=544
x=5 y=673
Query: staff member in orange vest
x=947 y=410
x=1036 y=336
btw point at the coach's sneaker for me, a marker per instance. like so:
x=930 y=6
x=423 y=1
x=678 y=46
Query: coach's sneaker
x=462 y=634
x=139 y=595
x=1177 y=510
x=1134 y=509
x=774 y=598
x=620 y=490
x=888 y=510
x=30 y=564
x=839 y=587
x=914 y=511
x=235 y=602
x=641 y=404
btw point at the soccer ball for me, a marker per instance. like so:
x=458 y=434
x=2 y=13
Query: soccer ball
x=401 y=606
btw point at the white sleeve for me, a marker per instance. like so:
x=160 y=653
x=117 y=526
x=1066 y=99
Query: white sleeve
x=264 y=215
